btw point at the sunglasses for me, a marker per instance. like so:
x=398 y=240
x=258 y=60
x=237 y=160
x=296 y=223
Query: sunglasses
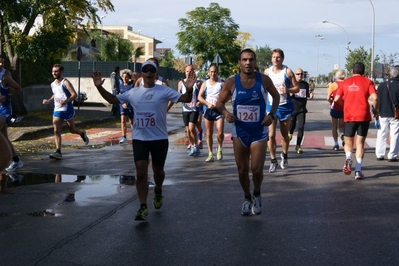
x=146 y=70
x=298 y=73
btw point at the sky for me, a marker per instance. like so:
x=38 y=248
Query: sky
x=286 y=24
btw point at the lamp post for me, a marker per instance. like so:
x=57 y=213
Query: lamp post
x=318 y=36
x=322 y=38
x=101 y=51
x=372 y=42
x=139 y=31
x=347 y=39
x=163 y=52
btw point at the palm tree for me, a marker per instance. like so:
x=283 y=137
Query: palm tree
x=136 y=54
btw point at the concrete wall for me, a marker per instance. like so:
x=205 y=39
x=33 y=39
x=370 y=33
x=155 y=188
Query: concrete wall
x=33 y=95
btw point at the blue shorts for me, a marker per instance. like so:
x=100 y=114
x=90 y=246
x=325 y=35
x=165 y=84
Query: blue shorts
x=128 y=111
x=6 y=112
x=212 y=115
x=247 y=141
x=65 y=115
x=336 y=114
x=284 y=111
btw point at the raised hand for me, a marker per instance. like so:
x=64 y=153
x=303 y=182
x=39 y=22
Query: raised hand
x=97 y=79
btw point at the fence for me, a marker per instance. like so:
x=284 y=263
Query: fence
x=106 y=68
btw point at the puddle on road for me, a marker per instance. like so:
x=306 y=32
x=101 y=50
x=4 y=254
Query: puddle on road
x=92 y=188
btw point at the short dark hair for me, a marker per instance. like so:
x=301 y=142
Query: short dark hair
x=358 y=68
x=278 y=50
x=59 y=66
x=154 y=59
x=116 y=69
x=247 y=50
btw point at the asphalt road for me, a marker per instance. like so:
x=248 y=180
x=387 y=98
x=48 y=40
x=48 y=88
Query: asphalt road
x=312 y=213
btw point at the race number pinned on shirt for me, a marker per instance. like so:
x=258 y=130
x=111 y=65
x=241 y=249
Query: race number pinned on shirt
x=248 y=113
x=301 y=93
x=145 y=119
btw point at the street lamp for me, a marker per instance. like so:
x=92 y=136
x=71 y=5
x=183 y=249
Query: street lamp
x=322 y=38
x=318 y=36
x=101 y=51
x=139 y=37
x=346 y=34
x=372 y=41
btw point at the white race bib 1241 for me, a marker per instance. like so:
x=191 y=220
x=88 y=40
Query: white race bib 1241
x=248 y=113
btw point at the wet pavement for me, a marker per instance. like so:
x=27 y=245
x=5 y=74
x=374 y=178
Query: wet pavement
x=80 y=211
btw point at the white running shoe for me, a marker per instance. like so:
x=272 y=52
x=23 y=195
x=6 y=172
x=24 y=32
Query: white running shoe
x=14 y=166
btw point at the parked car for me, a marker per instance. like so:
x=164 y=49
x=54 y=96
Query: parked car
x=82 y=97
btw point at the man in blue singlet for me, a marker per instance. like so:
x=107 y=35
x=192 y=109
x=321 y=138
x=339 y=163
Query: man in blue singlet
x=284 y=80
x=63 y=96
x=8 y=88
x=248 y=91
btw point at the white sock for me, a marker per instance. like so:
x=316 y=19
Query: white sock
x=348 y=155
x=359 y=162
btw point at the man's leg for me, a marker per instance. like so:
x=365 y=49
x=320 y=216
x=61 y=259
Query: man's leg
x=284 y=127
x=381 y=142
x=57 y=124
x=271 y=144
x=5 y=154
x=394 y=139
x=209 y=136
x=220 y=137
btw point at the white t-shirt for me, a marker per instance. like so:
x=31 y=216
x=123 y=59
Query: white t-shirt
x=149 y=105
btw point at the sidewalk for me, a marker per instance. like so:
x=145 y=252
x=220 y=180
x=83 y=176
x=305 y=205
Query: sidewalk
x=39 y=123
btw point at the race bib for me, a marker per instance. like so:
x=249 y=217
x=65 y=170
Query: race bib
x=248 y=113
x=212 y=100
x=145 y=119
x=301 y=93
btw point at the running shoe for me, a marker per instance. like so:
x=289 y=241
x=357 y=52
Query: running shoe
x=347 y=167
x=56 y=155
x=299 y=149
x=257 y=205
x=142 y=214
x=219 y=155
x=246 y=209
x=84 y=137
x=14 y=166
x=284 y=162
x=200 y=145
x=192 y=151
x=359 y=175
x=289 y=136
x=273 y=167
x=188 y=146
x=158 y=200
x=210 y=158
x=196 y=151
x=336 y=148
x=123 y=140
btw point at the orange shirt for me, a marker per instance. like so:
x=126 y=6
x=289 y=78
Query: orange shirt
x=331 y=92
x=356 y=90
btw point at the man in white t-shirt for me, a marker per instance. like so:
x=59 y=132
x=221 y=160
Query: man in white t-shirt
x=150 y=134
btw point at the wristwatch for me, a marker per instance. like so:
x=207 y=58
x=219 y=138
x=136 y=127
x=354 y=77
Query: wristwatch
x=272 y=115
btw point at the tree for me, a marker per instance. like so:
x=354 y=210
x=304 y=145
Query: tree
x=51 y=41
x=360 y=55
x=263 y=57
x=207 y=32
x=115 y=48
x=166 y=59
x=388 y=62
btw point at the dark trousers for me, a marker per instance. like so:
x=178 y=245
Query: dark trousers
x=298 y=118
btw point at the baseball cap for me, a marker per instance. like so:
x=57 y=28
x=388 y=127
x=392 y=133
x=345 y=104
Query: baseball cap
x=148 y=63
